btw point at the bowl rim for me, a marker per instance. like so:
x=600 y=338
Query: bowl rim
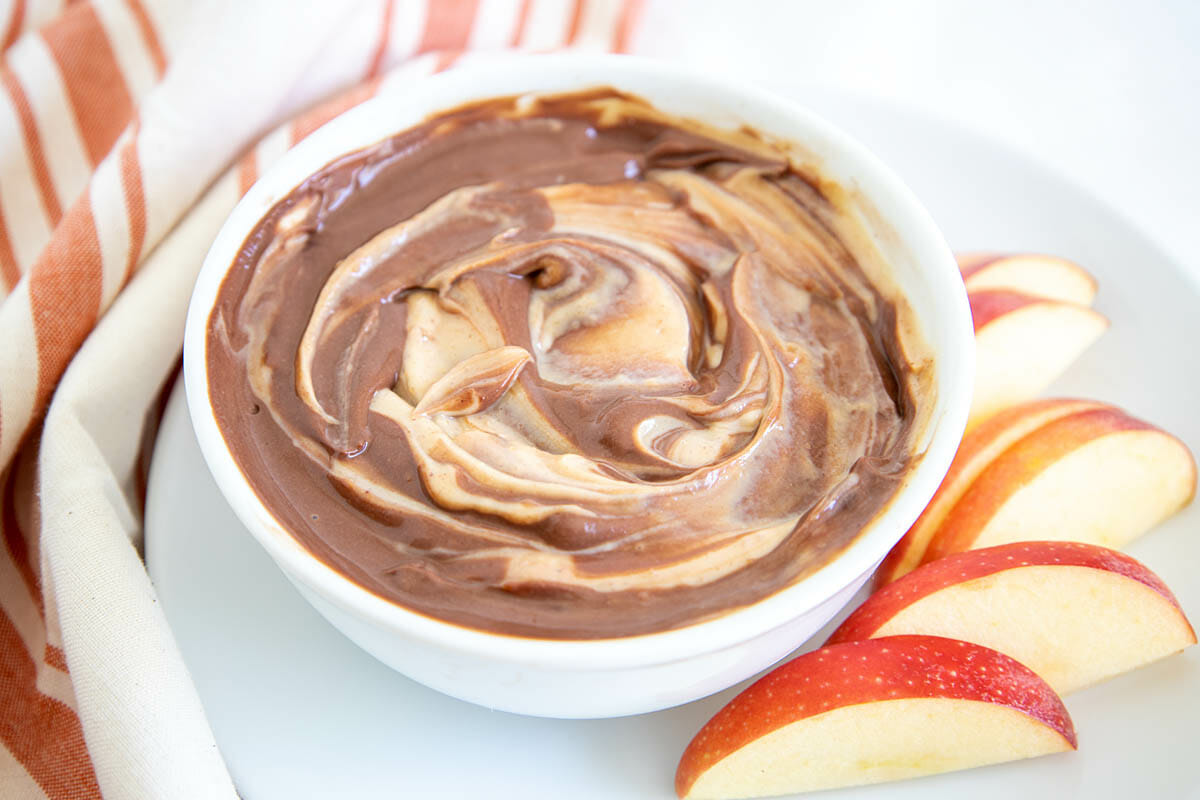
x=386 y=114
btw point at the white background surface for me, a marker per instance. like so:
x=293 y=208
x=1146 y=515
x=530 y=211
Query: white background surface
x=1106 y=92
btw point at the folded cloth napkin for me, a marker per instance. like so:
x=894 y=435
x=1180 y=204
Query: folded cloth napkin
x=121 y=127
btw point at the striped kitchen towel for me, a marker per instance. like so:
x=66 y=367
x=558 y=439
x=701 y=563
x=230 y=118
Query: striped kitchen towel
x=125 y=128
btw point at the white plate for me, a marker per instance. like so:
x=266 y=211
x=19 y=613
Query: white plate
x=298 y=711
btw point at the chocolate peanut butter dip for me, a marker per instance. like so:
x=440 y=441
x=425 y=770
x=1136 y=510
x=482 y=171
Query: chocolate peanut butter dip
x=568 y=367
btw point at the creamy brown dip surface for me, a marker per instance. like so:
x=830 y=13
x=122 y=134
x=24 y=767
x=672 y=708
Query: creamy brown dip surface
x=567 y=368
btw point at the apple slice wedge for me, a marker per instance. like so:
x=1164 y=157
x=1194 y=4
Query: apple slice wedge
x=1050 y=469
x=1033 y=274
x=1022 y=343
x=1076 y=614
x=1097 y=475
x=871 y=711
x=978 y=448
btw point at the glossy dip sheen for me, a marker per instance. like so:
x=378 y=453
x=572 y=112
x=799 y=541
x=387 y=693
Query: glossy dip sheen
x=568 y=367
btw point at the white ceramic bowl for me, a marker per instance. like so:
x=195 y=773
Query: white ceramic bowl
x=635 y=674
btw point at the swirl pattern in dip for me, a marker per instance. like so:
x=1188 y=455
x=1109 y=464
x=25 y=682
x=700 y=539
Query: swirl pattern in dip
x=567 y=367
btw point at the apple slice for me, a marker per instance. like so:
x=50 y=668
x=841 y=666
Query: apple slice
x=872 y=711
x=1033 y=274
x=978 y=448
x=1072 y=469
x=1096 y=475
x=1074 y=613
x=1022 y=343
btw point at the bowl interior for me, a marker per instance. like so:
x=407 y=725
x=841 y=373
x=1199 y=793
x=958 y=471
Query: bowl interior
x=896 y=222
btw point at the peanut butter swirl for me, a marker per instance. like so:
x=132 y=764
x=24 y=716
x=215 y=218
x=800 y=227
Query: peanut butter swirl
x=567 y=367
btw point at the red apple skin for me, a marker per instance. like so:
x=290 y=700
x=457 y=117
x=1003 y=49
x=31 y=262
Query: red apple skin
x=1016 y=467
x=989 y=304
x=969 y=565
x=852 y=673
x=979 y=448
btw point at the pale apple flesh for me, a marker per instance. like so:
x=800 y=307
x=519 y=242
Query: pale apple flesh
x=1033 y=274
x=1050 y=469
x=978 y=449
x=1098 y=476
x=870 y=711
x=1076 y=614
x=1022 y=344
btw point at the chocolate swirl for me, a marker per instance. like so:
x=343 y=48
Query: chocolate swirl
x=566 y=368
